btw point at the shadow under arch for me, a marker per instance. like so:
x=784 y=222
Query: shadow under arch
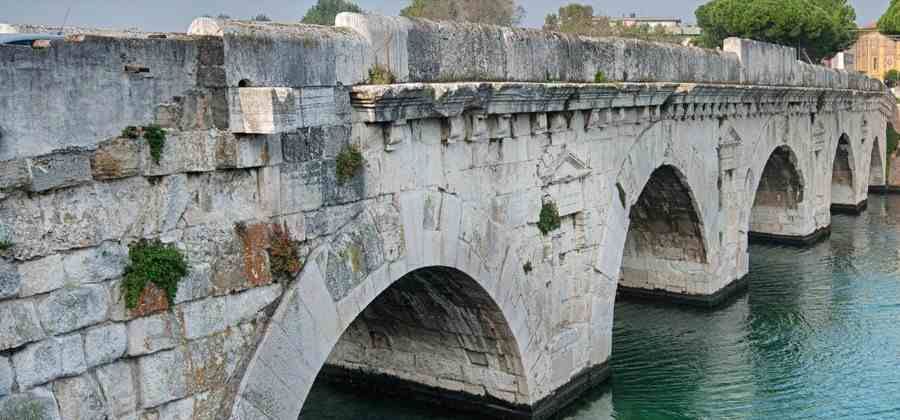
x=877 y=175
x=665 y=247
x=435 y=324
x=843 y=183
x=779 y=201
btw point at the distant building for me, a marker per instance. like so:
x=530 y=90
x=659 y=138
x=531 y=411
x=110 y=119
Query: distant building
x=845 y=60
x=875 y=53
x=653 y=22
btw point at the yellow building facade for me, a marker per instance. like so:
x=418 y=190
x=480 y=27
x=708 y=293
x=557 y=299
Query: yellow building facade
x=876 y=53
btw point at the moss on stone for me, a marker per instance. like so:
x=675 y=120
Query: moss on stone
x=349 y=161
x=600 y=77
x=156 y=138
x=381 y=75
x=151 y=261
x=549 y=219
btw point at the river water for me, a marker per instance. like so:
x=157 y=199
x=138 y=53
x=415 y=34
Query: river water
x=816 y=336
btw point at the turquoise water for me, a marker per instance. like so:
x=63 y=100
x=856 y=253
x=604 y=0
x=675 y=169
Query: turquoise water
x=816 y=336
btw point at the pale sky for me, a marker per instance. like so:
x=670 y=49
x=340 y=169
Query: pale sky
x=176 y=15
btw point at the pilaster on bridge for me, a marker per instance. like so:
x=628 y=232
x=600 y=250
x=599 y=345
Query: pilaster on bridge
x=503 y=203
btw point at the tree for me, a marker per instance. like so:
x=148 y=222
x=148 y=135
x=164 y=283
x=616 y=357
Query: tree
x=891 y=77
x=580 y=19
x=324 y=12
x=817 y=28
x=889 y=23
x=493 y=12
x=262 y=18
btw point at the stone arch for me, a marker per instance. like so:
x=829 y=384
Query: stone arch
x=877 y=176
x=324 y=303
x=778 y=197
x=843 y=174
x=435 y=324
x=660 y=180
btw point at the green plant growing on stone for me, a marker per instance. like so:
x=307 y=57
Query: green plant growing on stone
x=156 y=138
x=600 y=77
x=131 y=132
x=527 y=268
x=151 y=261
x=283 y=256
x=349 y=161
x=549 y=219
x=381 y=75
x=5 y=245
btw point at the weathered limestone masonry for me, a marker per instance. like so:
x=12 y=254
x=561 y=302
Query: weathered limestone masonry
x=426 y=269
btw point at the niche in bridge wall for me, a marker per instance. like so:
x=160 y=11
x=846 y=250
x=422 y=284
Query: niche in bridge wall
x=778 y=195
x=842 y=192
x=665 y=230
x=434 y=334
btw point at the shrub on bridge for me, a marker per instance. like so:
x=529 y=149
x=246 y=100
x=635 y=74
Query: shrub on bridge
x=600 y=77
x=381 y=75
x=156 y=138
x=349 y=161
x=549 y=219
x=283 y=256
x=151 y=261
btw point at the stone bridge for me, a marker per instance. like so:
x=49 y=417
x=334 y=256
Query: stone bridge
x=504 y=201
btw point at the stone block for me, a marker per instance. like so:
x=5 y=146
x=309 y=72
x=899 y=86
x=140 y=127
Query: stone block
x=249 y=151
x=317 y=106
x=151 y=334
x=264 y=110
x=14 y=174
x=6 y=377
x=302 y=186
x=117 y=383
x=105 y=344
x=70 y=309
x=183 y=152
x=116 y=158
x=163 y=377
x=95 y=265
x=37 y=404
x=10 y=280
x=19 y=324
x=313 y=143
x=178 y=410
x=42 y=275
x=79 y=398
x=47 y=360
x=59 y=170
x=210 y=316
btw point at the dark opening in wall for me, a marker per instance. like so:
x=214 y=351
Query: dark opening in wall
x=245 y=83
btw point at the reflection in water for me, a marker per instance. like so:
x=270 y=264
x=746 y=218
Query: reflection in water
x=816 y=336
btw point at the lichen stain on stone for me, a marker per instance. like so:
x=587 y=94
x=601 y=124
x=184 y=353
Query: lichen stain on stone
x=256 y=240
x=152 y=300
x=353 y=255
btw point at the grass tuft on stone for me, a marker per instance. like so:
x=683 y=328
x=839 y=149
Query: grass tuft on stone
x=151 y=261
x=5 y=245
x=381 y=75
x=156 y=138
x=549 y=219
x=600 y=77
x=283 y=255
x=131 y=132
x=349 y=161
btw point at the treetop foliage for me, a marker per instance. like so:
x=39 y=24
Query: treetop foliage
x=324 y=12
x=493 y=12
x=817 y=28
x=889 y=23
x=579 y=19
